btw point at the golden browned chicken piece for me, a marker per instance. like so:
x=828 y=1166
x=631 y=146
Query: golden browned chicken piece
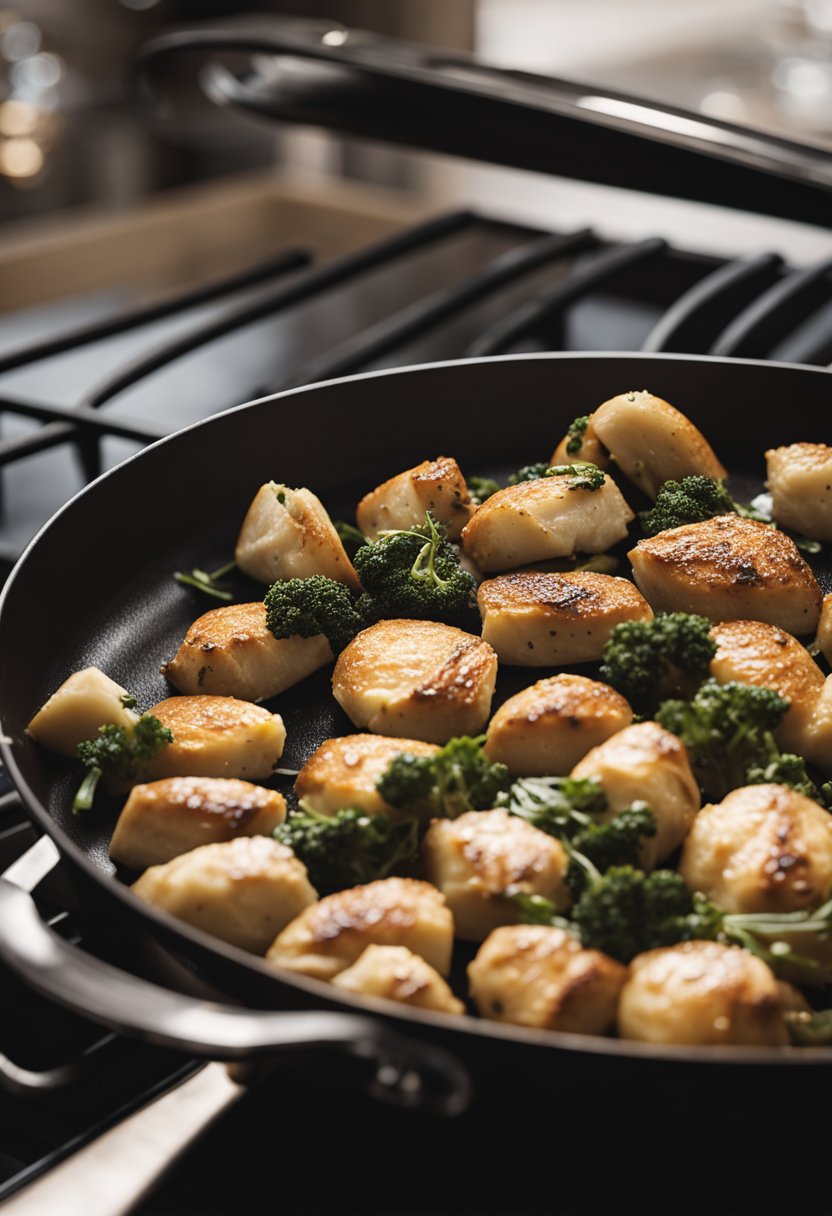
x=824 y=639
x=546 y=729
x=332 y=934
x=288 y=534
x=230 y=652
x=800 y=483
x=651 y=442
x=532 y=975
x=727 y=569
x=397 y=974
x=646 y=762
x=764 y=848
x=591 y=450
x=479 y=860
x=752 y=652
x=702 y=994
x=165 y=818
x=540 y=620
x=86 y=700
x=217 y=737
x=544 y=518
x=345 y=772
x=243 y=891
x=434 y=485
x=417 y=680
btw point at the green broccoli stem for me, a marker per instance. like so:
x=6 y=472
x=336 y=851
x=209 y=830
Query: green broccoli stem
x=761 y=933
x=206 y=582
x=86 y=791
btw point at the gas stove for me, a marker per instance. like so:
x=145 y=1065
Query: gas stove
x=90 y=379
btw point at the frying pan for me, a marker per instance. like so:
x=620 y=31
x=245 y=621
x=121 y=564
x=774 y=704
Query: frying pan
x=95 y=587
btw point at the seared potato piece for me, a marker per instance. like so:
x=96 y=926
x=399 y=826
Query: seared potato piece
x=231 y=652
x=86 y=700
x=287 y=534
x=652 y=442
x=800 y=482
x=333 y=934
x=764 y=848
x=591 y=450
x=437 y=486
x=752 y=652
x=728 y=569
x=545 y=730
x=702 y=994
x=647 y=762
x=345 y=772
x=397 y=974
x=548 y=517
x=217 y=737
x=824 y=639
x=531 y=975
x=163 y=819
x=242 y=891
x=482 y=858
x=540 y=620
x=416 y=679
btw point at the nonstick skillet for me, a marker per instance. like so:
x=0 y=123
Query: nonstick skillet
x=95 y=587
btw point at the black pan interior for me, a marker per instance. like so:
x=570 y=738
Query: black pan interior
x=96 y=586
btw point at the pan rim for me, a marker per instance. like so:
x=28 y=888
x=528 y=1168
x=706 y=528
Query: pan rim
x=167 y=928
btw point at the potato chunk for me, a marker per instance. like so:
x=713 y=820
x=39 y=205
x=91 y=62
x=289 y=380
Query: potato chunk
x=288 y=534
x=728 y=569
x=702 y=994
x=331 y=935
x=231 y=652
x=416 y=679
x=434 y=485
x=482 y=858
x=86 y=700
x=546 y=729
x=764 y=848
x=548 y=517
x=540 y=620
x=165 y=818
x=800 y=482
x=652 y=442
x=242 y=891
x=217 y=737
x=752 y=652
x=531 y=975
x=345 y=772
x=397 y=974
x=649 y=763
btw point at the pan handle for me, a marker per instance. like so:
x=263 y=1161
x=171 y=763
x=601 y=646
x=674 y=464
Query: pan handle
x=407 y=1072
x=360 y=83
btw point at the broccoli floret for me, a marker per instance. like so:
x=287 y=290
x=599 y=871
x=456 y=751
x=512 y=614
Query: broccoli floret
x=456 y=779
x=582 y=475
x=648 y=660
x=481 y=488
x=564 y=807
x=121 y=752
x=785 y=769
x=727 y=729
x=529 y=472
x=348 y=848
x=307 y=606
x=575 y=434
x=351 y=537
x=413 y=574
x=688 y=501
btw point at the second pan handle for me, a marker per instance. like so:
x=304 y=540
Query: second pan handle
x=316 y=72
x=408 y=1072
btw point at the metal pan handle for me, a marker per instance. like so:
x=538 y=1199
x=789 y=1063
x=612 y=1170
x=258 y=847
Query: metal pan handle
x=367 y=85
x=407 y=1072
